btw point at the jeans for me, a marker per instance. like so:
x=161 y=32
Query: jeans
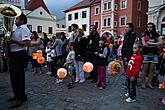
x=131 y=86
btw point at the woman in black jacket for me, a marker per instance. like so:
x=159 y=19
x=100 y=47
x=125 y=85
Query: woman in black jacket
x=80 y=49
x=129 y=40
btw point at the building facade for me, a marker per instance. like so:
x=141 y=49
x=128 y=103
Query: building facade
x=61 y=25
x=112 y=15
x=96 y=14
x=156 y=14
x=80 y=15
x=39 y=18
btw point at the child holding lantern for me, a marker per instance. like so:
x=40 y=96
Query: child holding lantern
x=70 y=64
x=132 y=72
x=102 y=61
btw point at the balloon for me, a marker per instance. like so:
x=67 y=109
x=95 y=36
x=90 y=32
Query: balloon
x=110 y=45
x=34 y=55
x=41 y=60
x=114 y=67
x=39 y=53
x=88 y=67
x=61 y=73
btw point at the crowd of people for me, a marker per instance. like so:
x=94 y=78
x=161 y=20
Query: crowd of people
x=134 y=53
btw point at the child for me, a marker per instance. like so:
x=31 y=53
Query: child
x=48 y=58
x=102 y=61
x=70 y=64
x=132 y=72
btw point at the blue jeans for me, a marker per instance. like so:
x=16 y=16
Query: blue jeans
x=131 y=86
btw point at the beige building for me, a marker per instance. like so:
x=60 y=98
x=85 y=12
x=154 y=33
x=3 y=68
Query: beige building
x=39 y=18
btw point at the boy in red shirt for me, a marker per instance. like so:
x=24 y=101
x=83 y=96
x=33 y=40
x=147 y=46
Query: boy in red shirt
x=132 y=72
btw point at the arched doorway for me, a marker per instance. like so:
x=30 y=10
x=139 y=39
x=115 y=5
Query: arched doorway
x=163 y=26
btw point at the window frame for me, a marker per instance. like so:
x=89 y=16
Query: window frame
x=121 y=21
x=121 y=4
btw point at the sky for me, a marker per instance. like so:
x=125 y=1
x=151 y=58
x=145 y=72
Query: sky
x=58 y=6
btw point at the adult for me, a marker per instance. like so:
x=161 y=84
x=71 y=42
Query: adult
x=80 y=48
x=64 y=44
x=128 y=42
x=57 y=46
x=45 y=39
x=74 y=28
x=34 y=46
x=17 y=59
x=93 y=46
x=150 y=41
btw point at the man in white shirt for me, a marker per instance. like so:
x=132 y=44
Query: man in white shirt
x=17 y=59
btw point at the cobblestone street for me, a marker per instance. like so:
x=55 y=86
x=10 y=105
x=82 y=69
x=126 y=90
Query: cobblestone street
x=44 y=94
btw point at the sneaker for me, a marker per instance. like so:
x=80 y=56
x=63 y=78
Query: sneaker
x=129 y=100
x=143 y=86
x=49 y=73
x=59 y=80
x=127 y=94
x=81 y=81
x=101 y=88
x=76 y=81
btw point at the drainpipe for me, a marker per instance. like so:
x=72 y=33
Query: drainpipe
x=113 y=16
x=101 y=23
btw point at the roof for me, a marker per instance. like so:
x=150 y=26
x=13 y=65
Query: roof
x=82 y=4
x=34 y=4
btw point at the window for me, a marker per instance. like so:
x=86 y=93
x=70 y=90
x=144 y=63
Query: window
x=123 y=21
x=105 y=22
x=30 y=27
x=76 y=16
x=58 y=26
x=69 y=29
x=109 y=5
x=50 y=30
x=84 y=14
x=84 y=27
x=138 y=22
x=139 y=5
x=115 y=6
x=123 y=4
x=115 y=23
x=109 y=22
x=69 y=17
x=96 y=23
x=39 y=29
x=63 y=26
x=105 y=6
x=97 y=11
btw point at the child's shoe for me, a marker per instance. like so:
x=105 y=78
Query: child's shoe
x=129 y=100
x=127 y=94
x=101 y=88
x=49 y=73
x=81 y=81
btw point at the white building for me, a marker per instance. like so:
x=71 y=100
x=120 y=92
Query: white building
x=61 y=25
x=39 y=18
x=80 y=15
x=156 y=14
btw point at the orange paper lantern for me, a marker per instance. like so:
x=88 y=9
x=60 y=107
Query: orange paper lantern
x=39 y=53
x=61 y=73
x=88 y=67
x=34 y=55
x=110 y=46
x=114 y=67
x=41 y=60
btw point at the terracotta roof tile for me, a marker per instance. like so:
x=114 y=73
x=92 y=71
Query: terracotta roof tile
x=34 y=4
x=83 y=4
